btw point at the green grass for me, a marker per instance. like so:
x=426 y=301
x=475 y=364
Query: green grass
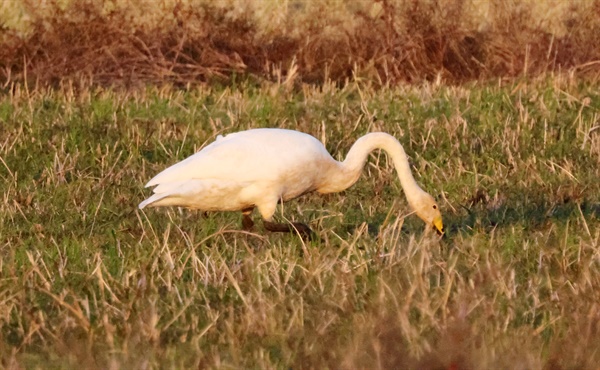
x=86 y=279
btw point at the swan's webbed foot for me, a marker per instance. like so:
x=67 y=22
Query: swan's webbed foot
x=305 y=232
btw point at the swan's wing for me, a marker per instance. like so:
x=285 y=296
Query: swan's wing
x=247 y=156
x=220 y=159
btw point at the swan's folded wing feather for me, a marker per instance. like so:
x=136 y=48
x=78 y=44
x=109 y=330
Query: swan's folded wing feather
x=219 y=160
x=244 y=157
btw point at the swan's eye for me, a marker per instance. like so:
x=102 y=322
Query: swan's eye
x=434 y=206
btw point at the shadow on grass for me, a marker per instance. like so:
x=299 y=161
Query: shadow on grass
x=530 y=214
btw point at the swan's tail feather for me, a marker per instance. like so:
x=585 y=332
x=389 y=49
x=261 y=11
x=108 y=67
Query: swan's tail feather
x=206 y=194
x=179 y=193
x=154 y=198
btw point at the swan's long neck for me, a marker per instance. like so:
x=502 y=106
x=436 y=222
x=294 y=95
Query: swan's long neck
x=348 y=171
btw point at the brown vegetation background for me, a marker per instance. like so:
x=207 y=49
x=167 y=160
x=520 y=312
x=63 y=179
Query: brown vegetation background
x=387 y=41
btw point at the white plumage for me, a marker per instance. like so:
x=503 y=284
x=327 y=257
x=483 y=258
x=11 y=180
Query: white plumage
x=260 y=167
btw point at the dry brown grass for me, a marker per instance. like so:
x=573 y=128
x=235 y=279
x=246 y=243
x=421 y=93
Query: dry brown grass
x=388 y=42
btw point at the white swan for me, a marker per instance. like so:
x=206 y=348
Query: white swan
x=261 y=167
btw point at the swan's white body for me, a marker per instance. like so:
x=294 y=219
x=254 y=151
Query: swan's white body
x=260 y=167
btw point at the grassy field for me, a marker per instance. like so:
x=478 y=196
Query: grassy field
x=86 y=279
x=496 y=103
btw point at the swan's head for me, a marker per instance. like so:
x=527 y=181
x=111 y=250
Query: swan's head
x=427 y=209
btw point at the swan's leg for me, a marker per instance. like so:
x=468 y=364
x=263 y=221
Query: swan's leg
x=247 y=222
x=305 y=232
x=267 y=210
